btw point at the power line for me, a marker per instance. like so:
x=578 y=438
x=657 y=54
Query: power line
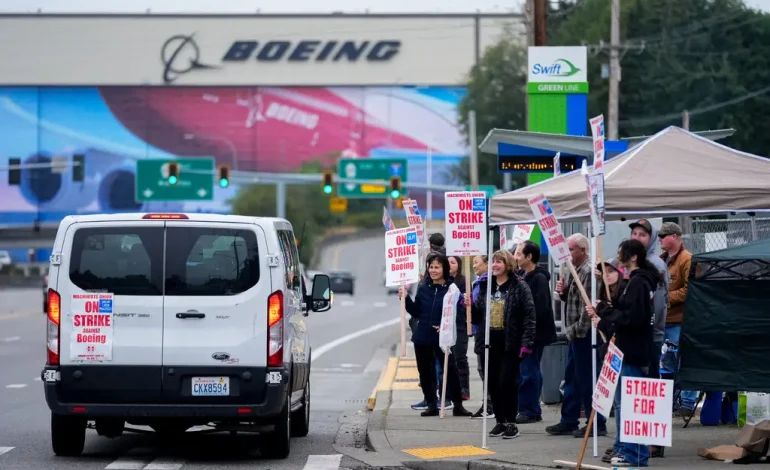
x=697 y=111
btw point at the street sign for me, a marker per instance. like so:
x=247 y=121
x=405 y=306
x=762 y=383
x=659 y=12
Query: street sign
x=370 y=169
x=488 y=189
x=338 y=204
x=152 y=180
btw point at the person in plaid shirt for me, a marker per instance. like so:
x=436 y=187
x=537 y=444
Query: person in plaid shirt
x=578 y=381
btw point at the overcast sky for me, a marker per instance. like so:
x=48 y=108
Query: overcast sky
x=274 y=6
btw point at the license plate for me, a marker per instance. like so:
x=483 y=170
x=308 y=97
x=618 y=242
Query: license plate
x=210 y=386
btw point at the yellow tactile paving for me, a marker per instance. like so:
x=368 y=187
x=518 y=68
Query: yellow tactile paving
x=407 y=373
x=447 y=452
x=409 y=385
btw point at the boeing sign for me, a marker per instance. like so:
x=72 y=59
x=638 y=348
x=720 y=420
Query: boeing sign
x=180 y=54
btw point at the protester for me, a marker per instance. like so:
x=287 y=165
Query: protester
x=480 y=268
x=578 y=377
x=538 y=279
x=631 y=318
x=426 y=336
x=643 y=231
x=511 y=338
x=460 y=350
x=614 y=277
x=678 y=260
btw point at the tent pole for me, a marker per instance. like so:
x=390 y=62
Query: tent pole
x=593 y=342
x=490 y=248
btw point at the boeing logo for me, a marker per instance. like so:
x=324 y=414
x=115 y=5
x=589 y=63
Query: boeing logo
x=180 y=54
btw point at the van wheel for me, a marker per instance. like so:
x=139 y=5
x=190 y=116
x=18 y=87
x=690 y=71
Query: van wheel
x=300 y=419
x=277 y=444
x=68 y=435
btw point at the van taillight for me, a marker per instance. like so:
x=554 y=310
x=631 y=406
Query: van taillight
x=54 y=327
x=275 y=329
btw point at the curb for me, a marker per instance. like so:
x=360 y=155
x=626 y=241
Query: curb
x=486 y=464
x=385 y=381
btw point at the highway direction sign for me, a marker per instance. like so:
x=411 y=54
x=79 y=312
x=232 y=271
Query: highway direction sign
x=370 y=169
x=152 y=183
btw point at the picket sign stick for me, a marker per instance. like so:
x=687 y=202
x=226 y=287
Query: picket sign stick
x=488 y=294
x=582 y=289
x=566 y=463
x=403 y=324
x=443 y=384
x=589 y=427
x=467 y=266
x=601 y=266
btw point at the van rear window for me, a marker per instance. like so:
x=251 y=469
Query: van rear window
x=204 y=261
x=120 y=260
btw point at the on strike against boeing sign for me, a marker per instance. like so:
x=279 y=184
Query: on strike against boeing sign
x=466 y=223
x=402 y=265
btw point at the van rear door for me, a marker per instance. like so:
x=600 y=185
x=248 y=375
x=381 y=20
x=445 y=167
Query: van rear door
x=111 y=357
x=215 y=313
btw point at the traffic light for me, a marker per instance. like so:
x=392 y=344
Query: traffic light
x=328 y=181
x=395 y=187
x=173 y=173
x=224 y=176
x=79 y=169
x=14 y=174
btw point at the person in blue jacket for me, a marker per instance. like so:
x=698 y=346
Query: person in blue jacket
x=427 y=306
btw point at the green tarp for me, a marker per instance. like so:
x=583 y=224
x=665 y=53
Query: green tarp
x=725 y=340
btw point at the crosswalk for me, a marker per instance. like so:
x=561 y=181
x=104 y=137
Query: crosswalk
x=137 y=461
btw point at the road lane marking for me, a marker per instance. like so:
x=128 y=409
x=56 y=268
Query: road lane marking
x=127 y=463
x=38 y=379
x=323 y=462
x=380 y=304
x=5 y=450
x=325 y=348
x=164 y=464
x=347 y=303
x=336 y=257
x=16 y=386
x=12 y=338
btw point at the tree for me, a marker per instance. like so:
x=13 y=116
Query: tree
x=496 y=90
x=705 y=56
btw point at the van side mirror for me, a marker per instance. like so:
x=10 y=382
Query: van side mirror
x=320 y=299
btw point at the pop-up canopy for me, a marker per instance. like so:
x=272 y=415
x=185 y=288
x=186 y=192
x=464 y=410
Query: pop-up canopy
x=673 y=173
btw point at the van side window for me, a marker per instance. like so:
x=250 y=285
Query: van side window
x=206 y=261
x=119 y=260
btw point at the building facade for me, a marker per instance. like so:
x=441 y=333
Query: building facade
x=259 y=92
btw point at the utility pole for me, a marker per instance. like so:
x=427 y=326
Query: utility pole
x=541 y=10
x=474 y=151
x=686 y=120
x=612 y=112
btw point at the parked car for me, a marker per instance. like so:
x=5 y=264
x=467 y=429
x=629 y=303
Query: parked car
x=342 y=282
x=390 y=289
x=175 y=321
x=5 y=259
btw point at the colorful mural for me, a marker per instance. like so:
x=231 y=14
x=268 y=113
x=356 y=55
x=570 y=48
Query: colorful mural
x=255 y=129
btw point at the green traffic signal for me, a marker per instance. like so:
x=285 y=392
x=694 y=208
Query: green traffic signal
x=224 y=182
x=395 y=194
x=328 y=189
x=173 y=179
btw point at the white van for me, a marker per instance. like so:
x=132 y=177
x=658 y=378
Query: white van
x=178 y=320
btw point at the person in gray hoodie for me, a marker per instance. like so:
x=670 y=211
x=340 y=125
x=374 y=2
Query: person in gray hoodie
x=643 y=231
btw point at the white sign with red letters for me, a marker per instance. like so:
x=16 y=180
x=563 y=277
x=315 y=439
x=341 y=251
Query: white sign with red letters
x=414 y=218
x=402 y=262
x=645 y=411
x=522 y=233
x=597 y=132
x=551 y=229
x=466 y=223
x=92 y=330
x=607 y=383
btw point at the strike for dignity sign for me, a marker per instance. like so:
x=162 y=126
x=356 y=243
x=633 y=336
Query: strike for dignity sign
x=402 y=263
x=91 y=337
x=466 y=223
x=645 y=411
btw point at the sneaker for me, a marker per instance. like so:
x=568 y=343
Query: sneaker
x=498 y=430
x=620 y=461
x=607 y=458
x=480 y=414
x=466 y=396
x=423 y=405
x=511 y=431
x=581 y=432
x=524 y=419
x=430 y=411
x=560 y=429
x=460 y=410
x=449 y=405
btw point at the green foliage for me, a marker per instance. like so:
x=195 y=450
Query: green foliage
x=697 y=55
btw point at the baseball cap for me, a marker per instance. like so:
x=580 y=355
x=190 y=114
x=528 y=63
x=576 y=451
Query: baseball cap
x=615 y=265
x=669 y=228
x=644 y=223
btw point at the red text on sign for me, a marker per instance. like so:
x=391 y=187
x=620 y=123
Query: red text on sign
x=91 y=320
x=644 y=406
x=645 y=428
x=400 y=251
x=549 y=222
x=466 y=217
x=645 y=389
x=466 y=235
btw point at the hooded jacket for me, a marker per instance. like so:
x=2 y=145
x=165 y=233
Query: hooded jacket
x=538 y=281
x=426 y=307
x=475 y=289
x=660 y=300
x=632 y=318
x=519 y=316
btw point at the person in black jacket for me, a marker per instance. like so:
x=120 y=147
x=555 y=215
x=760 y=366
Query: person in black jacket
x=511 y=338
x=527 y=256
x=632 y=317
x=427 y=307
x=614 y=278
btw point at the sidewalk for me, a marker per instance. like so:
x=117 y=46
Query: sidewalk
x=454 y=443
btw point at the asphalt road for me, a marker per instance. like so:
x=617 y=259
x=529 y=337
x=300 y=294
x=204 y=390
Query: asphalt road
x=350 y=346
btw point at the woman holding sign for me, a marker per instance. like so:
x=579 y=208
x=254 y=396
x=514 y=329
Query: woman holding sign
x=511 y=338
x=427 y=307
x=631 y=317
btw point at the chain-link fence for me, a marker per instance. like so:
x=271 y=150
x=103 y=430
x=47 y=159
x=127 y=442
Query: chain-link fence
x=711 y=235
